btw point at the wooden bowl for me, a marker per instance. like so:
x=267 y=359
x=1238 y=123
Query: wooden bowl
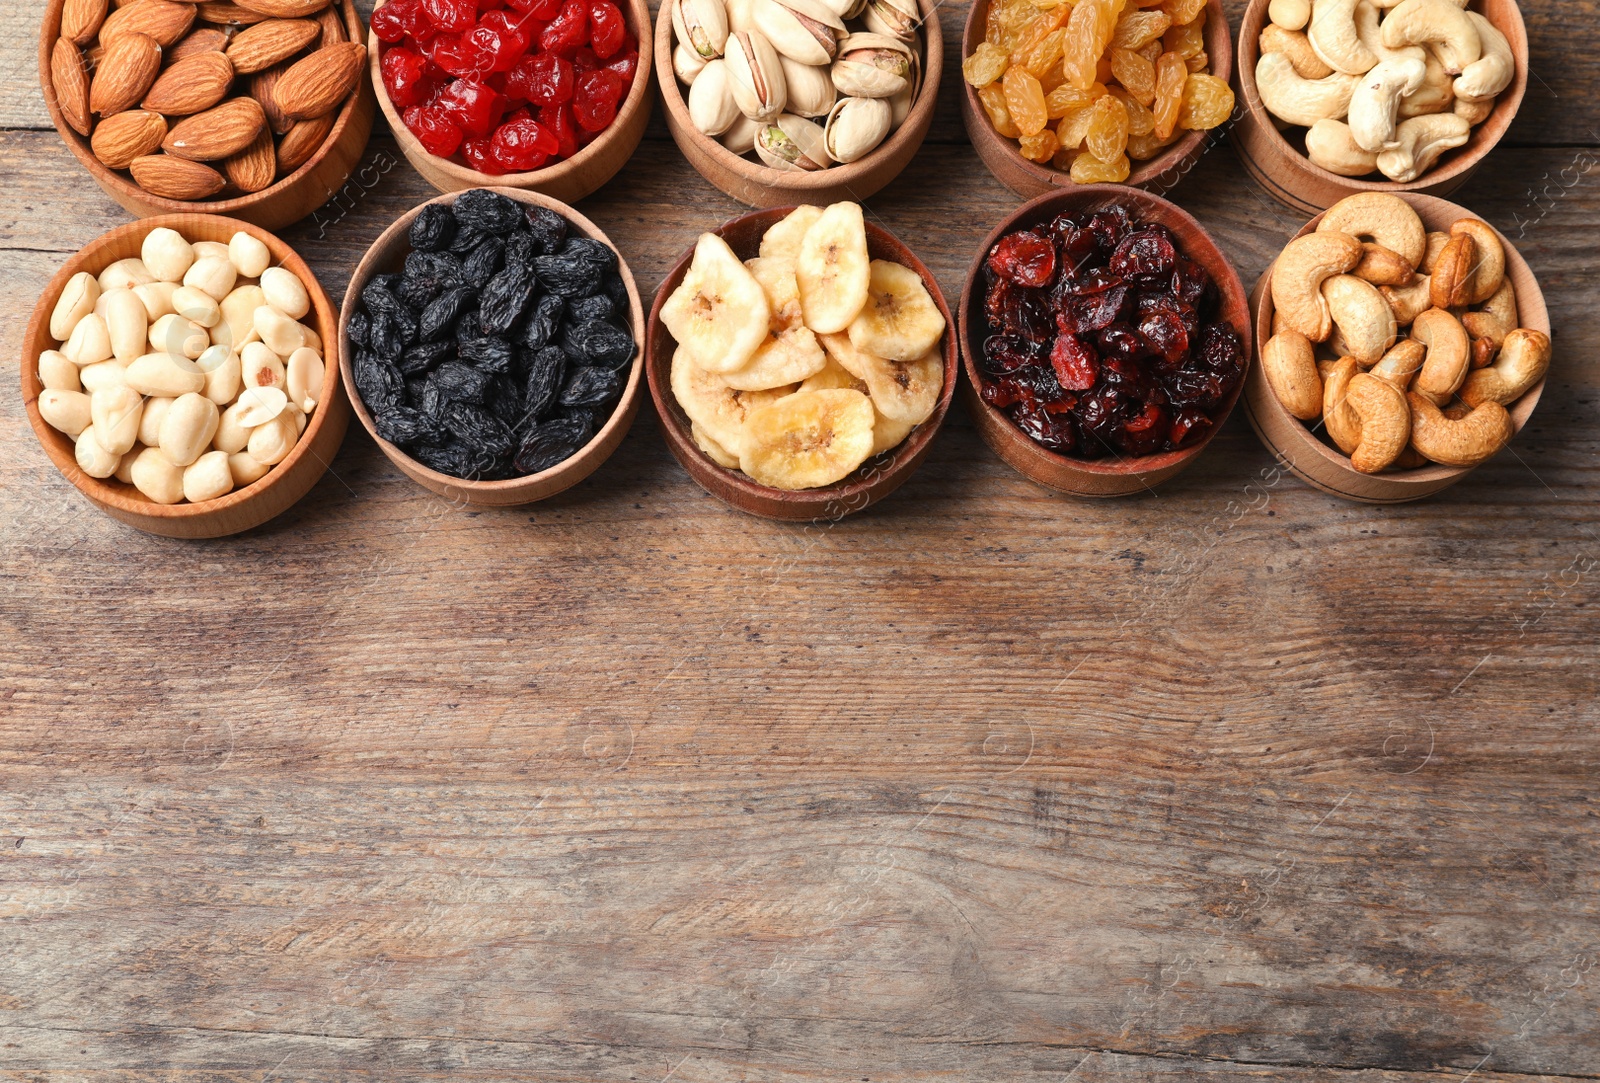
x=1063 y=473
x=387 y=255
x=568 y=180
x=1279 y=163
x=243 y=508
x=758 y=185
x=1028 y=179
x=287 y=201
x=1323 y=465
x=874 y=480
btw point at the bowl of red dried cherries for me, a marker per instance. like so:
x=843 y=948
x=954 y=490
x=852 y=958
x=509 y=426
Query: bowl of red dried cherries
x=1105 y=339
x=548 y=95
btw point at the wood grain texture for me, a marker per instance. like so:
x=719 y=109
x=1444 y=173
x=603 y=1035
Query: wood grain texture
x=1237 y=782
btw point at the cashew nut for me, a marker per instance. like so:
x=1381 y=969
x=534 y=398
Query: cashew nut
x=1334 y=39
x=1375 y=105
x=1293 y=44
x=1451 y=281
x=1371 y=36
x=1385 y=219
x=1438 y=23
x=1305 y=263
x=1523 y=361
x=1421 y=141
x=1498 y=317
x=1290 y=14
x=1435 y=95
x=1475 y=110
x=1338 y=416
x=1298 y=101
x=1385 y=420
x=1408 y=302
x=1467 y=441
x=1366 y=322
x=1290 y=366
x=1488 y=258
x=1401 y=363
x=1330 y=144
x=1491 y=72
x=1382 y=267
x=1430 y=256
x=1483 y=352
x=1449 y=352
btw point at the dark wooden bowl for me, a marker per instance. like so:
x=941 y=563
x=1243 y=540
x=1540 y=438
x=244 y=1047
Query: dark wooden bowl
x=1028 y=179
x=874 y=480
x=243 y=508
x=387 y=255
x=1281 y=166
x=569 y=180
x=1063 y=473
x=287 y=201
x=759 y=185
x=1326 y=467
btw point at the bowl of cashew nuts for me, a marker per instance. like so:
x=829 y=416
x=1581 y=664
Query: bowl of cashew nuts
x=1344 y=96
x=1403 y=342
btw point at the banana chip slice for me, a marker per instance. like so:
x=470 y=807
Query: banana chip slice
x=808 y=439
x=715 y=451
x=783 y=239
x=791 y=352
x=899 y=322
x=832 y=269
x=902 y=390
x=719 y=315
x=719 y=410
x=833 y=376
x=888 y=433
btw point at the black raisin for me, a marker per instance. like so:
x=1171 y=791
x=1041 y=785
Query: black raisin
x=542 y=322
x=547 y=227
x=616 y=289
x=417 y=290
x=568 y=275
x=477 y=428
x=590 y=387
x=504 y=299
x=379 y=299
x=521 y=248
x=595 y=253
x=455 y=382
x=408 y=428
x=423 y=356
x=598 y=343
x=547 y=373
x=414 y=389
x=598 y=307
x=488 y=211
x=433 y=229
x=505 y=402
x=359 y=324
x=551 y=444
x=482 y=263
x=488 y=354
x=466 y=240
x=453 y=458
x=379 y=383
x=439 y=318
x=438 y=265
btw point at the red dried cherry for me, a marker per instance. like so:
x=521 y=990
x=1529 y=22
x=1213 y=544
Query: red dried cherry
x=539 y=9
x=478 y=155
x=391 y=23
x=557 y=119
x=474 y=106
x=606 y=28
x=450 y=16
x=626 y=65
x=542 y=80
x=405 y=77
x=435 y=129
x=569 y=31
x=594 y=106
x=522 y=145
x=456 y=54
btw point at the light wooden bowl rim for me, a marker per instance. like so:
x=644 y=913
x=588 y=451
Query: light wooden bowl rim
x=637 y=14
x=799 y=184
x=1453 y=164
x=382 y=254
x=1219 y=49
x=115 y=181
x=1150 y=208
x=1531 y=313
x=203 y=227
x=856 y=492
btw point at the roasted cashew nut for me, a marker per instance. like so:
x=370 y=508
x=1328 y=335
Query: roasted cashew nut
x=1334 y=39
x=1421 y=141
x=1449 y=355
x=1375 y=105
x=1382 y=267
x=1523 y=361
x=1450 y=285
x=1385 y=422
x=1492 y=71
x=1295 y=46
x=1298 y=101
x=1305 y=263
x=1290 y=366
x=1497 y=319
x=1330 y=145
x=1338 y=416
x=1409 y=302
x=1466 y=441
x=1430 y=257
x=1438 y=23
x=1365 y=321
x=1488 y=259
x=1401 y=363
x=1382 y=218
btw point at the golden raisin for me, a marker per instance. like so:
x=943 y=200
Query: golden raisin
x=1151 y=52
x=1183 y=11
x=1008 y=22
x=1067 y=97
x=1144 y=147
x=1087 y=169
x=1037 y=31
x=986 y=64
x=1171 y=77
x=1136 y=74
x=1186 y=41
x=1024 y=100
x=1040 y=146
x=1138 y=28
x=993 y=100
x=1140 y=120
x=1089 y=31
x=1074 y=127
x=1198 y=62
x=1207 y=102
x=1107 y=137
x=1064 y=158
x=1042 y=55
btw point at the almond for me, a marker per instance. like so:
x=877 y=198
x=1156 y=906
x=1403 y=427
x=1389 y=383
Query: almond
x=174 y=178
x=205 y=40
x=263 y=86
x=302 y=142
x=266 y=43
x=192 y=85
x=81 y=19
x=284 y=9
x=69 y=81
x=332 y=22
x=222 y=13
x=122 y=138
x=163 y=20
x=320 y=82
x=217 y=133
x=255 y=167
x=126 y=73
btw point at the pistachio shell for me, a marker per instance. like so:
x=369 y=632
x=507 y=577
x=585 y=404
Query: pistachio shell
x=702 y=26
x=687 y=64
x=895 y=18
x=802 y=30
x=755 y=75
x=811 y=90
x=792 y=143
x=711 y=104
x=856 y=126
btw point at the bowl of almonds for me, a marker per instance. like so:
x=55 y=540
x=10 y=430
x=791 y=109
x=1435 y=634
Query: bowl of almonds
x=259 y=110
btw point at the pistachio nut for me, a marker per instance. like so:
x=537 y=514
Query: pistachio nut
x=739 y=17
x=811 y=91
x=802 y=30
x=845 y=9
x=702 y=25
x=895 y=18
x=856 y=126
x=793 y=143
x=872 y=66
x=741 y=138
x=687 y=64
x=754 y=75
x=900 y=105
x=711 y=105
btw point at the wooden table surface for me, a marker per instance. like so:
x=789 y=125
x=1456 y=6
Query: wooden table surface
x=1233 y=781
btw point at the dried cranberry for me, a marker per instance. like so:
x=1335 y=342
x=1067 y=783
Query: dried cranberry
x=1190 y=282
x=1188 y=425
x=1003 y=354
x=1018 y=312
x=1143 y=433
x=1123 y=343
x=1075 y=363
x=1053 y=431
x=1166 y=334
x=1109 y=225
x=1025 y=258
x=1146 y=254
x=607 y=28
x=1091 y=312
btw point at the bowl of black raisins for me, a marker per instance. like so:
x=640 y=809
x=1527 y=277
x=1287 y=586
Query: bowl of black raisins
x=491 y=343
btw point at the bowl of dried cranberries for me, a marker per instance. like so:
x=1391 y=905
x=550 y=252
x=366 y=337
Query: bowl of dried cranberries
x=548 y=95
x=1105 y=339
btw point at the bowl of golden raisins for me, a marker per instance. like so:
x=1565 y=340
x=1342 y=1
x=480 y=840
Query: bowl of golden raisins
x=1094 y=92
